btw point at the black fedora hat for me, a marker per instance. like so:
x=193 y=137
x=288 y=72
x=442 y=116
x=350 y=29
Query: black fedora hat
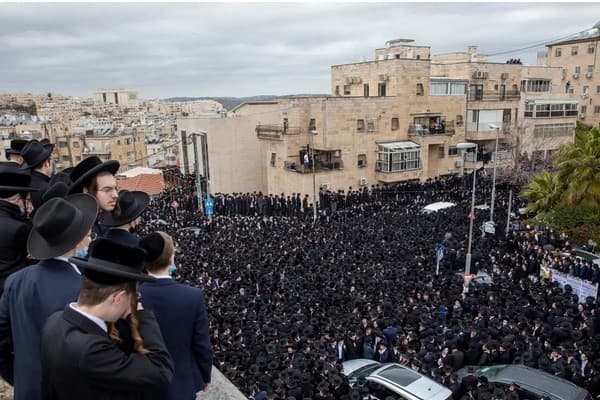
x=16 y=145
x=131 y=206
x=111 y=263
x=59 y=189
x=34 y=153
x=87 y=169
x=60 y=224
x=14 y=180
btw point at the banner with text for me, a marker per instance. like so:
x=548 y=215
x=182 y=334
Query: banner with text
x=580 y=287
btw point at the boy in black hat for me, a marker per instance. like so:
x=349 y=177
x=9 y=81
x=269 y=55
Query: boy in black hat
x=126 y=217
x=15 y=205
x=97 y=178
x=60 y=228
x=181 y=314
x=13 y=153
x=38 y=159
x=80 y=360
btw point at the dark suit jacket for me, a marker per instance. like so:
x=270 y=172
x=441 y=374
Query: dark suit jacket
x=31 y=296
x=41 y=182
x=13 y=240
x=123 y=237
x=81 y=361
x=181 y=314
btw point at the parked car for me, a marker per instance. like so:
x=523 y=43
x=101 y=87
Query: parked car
x=393 y=380
x=534 y=384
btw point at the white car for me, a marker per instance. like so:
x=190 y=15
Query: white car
x=393 y=380
x=434 y=207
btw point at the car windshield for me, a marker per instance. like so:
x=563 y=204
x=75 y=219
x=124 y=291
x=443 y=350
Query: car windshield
x=365 y=371
x=400 y=376
x=490 y=372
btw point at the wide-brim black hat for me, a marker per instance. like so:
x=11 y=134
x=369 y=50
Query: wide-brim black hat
x=87 y=169
x=34 y=153
x=16 y=145
x=12 y=179
x=59 y=189
x=60 y=224
x=111 y=263
x=131 y=206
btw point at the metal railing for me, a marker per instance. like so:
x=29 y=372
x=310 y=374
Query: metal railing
x=420 y=130
x=507 y=96
x=276 y=131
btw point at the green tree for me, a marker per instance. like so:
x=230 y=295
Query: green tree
x=579 y=168
x=543 y=193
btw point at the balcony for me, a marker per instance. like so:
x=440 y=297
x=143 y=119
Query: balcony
x=275 y=132
x=507 y=96
x=488 y=134
x=441 y=129
x=325 y=160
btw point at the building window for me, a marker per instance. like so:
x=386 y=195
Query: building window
x=75 y=145
x=475 y=118
x=453 y=151
x=366 y=90
x=536 y=85
x=273 y=159
x=459 y=120
x=574 y=50
x=553 y=130
x=441 y=152
x=586 y=91
x=381 y=89
x=598 y=89
x=128 y=141
x=557 y=52
x=62 y=145
x=583 y=109
x=475 y=92
x=549 y=110
x=362 y=160
x=337 y=90
x=370 y=126
x=590 y=69
x=398 y=157
x=346 y=90
x=447 y=89
x=596 y=109
x=591 y=48
x=577 y=69
x=118 y=142
x=312 y=125
x=395 y=124
x=420 y=90
x=360 y=125
x=64 y=158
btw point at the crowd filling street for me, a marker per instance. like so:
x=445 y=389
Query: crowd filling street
x=144 y=295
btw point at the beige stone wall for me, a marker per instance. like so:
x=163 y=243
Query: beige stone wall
x=584 y=60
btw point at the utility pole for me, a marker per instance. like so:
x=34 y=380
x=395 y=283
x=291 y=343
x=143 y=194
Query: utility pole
x=185 y=152
x=508 y=212
x=197 y=170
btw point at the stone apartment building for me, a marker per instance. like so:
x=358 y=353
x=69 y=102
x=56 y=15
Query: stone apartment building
x=117 y=97
x=128 y=148
x=580 y=73
x=395 y=118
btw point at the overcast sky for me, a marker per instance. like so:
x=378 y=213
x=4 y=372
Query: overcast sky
x=227 y=49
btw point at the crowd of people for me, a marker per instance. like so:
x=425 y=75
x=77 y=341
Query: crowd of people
x=287 y=299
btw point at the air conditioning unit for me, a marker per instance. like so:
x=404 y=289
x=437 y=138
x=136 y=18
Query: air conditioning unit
x=504 y=75
x=582 y=115
x=458 y=164
x=576 y=75
x=325 y=186
x=589 y=74
x=383 y=77
x=362 y=181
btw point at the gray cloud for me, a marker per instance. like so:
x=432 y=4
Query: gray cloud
x=227 y=49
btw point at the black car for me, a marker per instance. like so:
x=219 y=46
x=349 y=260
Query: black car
x=533 y=384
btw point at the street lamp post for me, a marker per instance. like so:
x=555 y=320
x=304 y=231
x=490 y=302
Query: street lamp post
x=312 y=148
x=497 y=128
x=472 y=215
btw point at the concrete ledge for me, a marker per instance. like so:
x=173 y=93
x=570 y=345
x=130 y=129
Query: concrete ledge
x=220 y=388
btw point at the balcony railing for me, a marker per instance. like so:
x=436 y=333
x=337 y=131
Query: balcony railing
x=275 y=132
x=320 y=166
x=420 y=130
x=507 y=96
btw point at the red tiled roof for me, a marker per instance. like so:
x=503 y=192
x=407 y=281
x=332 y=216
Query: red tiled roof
x=150 y=183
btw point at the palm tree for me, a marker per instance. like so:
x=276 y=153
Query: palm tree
x=579 y=168
x=543 y=192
